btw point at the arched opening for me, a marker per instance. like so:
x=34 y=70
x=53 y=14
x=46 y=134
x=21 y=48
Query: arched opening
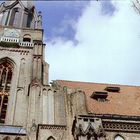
x=51 y=138
x=26 y=38
x=18 y=138
x=6 y=72
x=6 y=138
x=118 y=137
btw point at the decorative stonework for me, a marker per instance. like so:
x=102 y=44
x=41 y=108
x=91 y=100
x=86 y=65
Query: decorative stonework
x=35 y=82
x=14 y=33
x=55 y=85
x=121 y=126
x=57 y=131
x=57 y=127
x=37 y=56
x=22 y=52
x=87 y=130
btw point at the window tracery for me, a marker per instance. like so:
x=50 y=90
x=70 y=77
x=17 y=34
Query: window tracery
x=6 y=71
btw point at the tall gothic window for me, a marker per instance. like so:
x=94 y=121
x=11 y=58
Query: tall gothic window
x=6 y=71
x=1 y=15
x=25 y=17
x=15 y=17
x=29 y=20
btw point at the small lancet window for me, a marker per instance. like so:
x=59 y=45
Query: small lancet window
x=99 y=96
x=6 y=71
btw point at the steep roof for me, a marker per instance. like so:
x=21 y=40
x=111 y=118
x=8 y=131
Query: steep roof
x=27 y=4
x=124 y=102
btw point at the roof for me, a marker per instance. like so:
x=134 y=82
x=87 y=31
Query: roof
x=27 y=4
x=124 y=102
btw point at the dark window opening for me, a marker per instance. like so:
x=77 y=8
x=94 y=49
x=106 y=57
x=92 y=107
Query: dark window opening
x=26 y=39
x=7 y=18
x=51 y=138
x=99 y=96
x=112 y=89
x=85 y=119
x=91 y=120
x=29 y=20
x=6 y=71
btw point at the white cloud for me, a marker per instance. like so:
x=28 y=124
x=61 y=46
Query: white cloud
x=107 y=51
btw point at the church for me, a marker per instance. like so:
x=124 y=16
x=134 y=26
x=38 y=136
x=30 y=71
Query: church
x=31 y=108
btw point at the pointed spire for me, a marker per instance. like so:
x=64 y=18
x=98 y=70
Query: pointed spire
x=39 y=26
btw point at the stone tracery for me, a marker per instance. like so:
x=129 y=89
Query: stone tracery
x=6 y=71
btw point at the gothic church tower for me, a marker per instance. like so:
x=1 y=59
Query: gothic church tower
x=23 y=71
x=30 y=109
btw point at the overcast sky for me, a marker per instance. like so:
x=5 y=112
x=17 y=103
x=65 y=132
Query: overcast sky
x=92 y=41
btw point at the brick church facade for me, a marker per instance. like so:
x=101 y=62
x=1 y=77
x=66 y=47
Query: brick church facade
x=33 y=109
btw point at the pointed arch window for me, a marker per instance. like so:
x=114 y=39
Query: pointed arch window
x=15 y=17
x=51 y=138
x=6 y=72
x=30 y=19
x=118 y=137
